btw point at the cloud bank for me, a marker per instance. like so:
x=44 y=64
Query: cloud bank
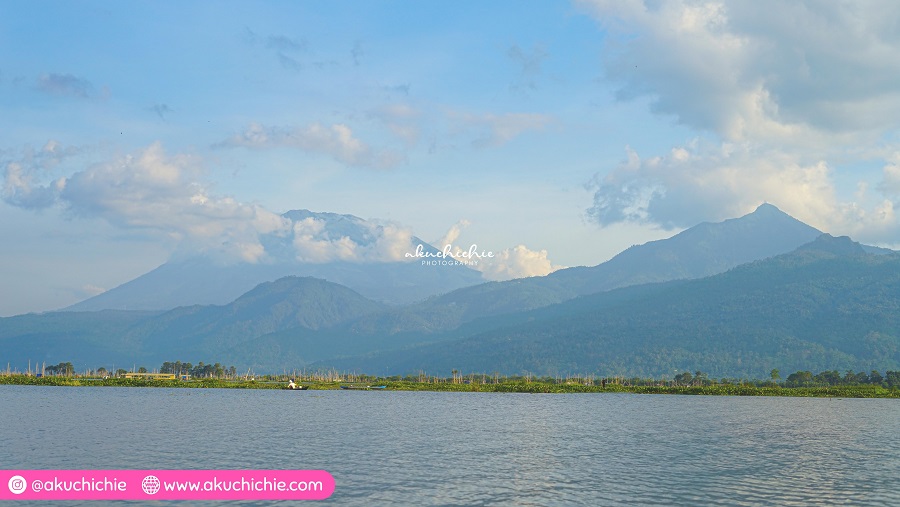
x=783 y=94
x=154 y=192
x=166 y=197
x=336 y=141
x=745 y=68
x=315 y=240
x=510 y=263
x=516 y=262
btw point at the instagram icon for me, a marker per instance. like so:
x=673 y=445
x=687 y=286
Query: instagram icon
x=17 y=484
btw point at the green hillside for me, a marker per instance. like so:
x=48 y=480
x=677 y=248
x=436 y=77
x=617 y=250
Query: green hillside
x=825 y=306
x=89 y=339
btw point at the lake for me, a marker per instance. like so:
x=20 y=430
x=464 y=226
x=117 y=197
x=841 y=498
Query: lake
x=422 y=448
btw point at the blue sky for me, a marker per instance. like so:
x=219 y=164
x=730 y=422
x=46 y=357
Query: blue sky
x=555 y=133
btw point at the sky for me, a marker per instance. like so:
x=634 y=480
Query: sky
x=552 y=134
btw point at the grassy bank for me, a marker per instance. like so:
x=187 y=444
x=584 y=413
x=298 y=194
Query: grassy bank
x=517 y=386
x=862 y=391
x=122 y=382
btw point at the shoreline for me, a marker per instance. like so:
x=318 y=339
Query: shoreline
x=533 y=387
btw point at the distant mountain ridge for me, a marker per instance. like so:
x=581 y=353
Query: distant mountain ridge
x=200 y=280
x=827 y=302
x=702 y=250
x=298 y=303
x=827 y=305
x=287 y=303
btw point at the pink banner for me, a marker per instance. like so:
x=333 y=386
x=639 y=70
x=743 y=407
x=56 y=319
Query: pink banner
x=165 y=484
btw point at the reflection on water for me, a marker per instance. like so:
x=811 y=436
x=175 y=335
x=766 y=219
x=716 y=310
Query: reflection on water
x=414 y=448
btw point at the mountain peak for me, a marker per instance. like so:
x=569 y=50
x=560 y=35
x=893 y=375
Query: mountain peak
x=767 y=207
x=766 y=211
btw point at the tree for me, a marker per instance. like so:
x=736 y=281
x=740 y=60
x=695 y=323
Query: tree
x=831 y=378
x=775 y=375
x=892 y=379
x=875 y=377
x=60 y=369
x=800 y=379
x=142 y=370
x=684 y=378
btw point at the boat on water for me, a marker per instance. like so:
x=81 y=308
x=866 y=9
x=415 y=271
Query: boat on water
x=362 y=388
x=296 y=388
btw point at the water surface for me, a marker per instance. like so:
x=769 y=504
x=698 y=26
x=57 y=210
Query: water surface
x=421 y=448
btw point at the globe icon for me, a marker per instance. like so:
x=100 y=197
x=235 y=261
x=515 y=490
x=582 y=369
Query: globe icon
x=150 y=485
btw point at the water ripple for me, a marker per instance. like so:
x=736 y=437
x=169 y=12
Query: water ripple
x=397 y=448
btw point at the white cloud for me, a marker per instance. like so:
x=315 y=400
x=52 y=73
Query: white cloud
x=713 y=182
x=792 y=94
x=392 y=243
x=516 y=262
x=890 y=183
x=493 y=130
x=23 y=174
x=166 y=197
x=336 y=141
x=315 y=242
x=312 y=243
x=154 y=192
x=452 y=234
x=749 y=69
x=20 y=188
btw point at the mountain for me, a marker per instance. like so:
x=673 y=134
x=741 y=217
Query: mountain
x=703 y=250
x=290 y=302
x=202 y=280
x=827 y=305
x=89 y=339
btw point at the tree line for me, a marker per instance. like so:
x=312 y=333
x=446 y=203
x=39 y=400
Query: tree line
x=834 y=378
x=201 y=370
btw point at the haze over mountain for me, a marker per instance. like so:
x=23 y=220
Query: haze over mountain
x=362 y=255
x=702 y=250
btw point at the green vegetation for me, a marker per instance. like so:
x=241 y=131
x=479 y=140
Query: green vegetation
x=696 y=384
x=123 y=382
x=891 y=379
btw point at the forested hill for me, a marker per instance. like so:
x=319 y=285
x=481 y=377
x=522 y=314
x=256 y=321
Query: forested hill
x=111 y=337
x=828 y=305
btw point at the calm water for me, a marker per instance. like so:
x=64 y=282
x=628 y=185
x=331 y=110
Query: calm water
x=399 y=448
